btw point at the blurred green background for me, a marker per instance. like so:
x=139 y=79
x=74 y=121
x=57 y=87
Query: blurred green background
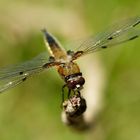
x=32 y=110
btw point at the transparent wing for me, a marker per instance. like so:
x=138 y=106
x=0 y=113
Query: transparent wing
x=117 y=34
x=16 y=74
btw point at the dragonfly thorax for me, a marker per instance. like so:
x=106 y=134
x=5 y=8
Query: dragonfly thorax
x=69 y=68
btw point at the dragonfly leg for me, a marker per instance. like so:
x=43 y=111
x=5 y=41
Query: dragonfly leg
x=69 y=93
x=79 y=93
x=63 y=93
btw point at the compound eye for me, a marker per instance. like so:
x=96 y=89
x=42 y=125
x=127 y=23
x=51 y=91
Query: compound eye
x=72 y=84
x=81 y=81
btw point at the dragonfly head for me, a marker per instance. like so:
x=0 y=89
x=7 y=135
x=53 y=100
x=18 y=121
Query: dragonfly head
x=75 y=81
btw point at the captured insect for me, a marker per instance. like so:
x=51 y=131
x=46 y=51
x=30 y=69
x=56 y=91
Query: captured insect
x=64 y=61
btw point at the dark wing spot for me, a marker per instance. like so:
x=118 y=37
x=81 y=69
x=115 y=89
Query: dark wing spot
x=51 y=59
x=51 y=64
x=45 y=65
x=110 y=38
x=104 y=47
x=24 y=78
x=77 y=54
x=21 y=72
x=133 y=37
x=136 y=23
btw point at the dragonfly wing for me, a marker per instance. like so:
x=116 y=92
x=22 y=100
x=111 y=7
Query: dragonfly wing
x=7 y=84
x=117 y=34
x=14 y=75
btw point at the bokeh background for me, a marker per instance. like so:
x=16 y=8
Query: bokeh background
x=32 y=110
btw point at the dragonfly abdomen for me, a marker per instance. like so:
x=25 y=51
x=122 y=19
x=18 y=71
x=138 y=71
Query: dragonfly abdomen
x=54 y=47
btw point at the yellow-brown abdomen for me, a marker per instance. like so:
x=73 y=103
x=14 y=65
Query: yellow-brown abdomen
x=54 y=47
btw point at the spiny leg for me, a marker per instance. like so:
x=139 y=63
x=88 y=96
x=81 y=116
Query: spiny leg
x=63 y=93
x=69 y=92
x=79 y=93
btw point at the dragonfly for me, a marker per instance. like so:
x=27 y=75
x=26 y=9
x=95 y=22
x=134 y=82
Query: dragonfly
x=64 y=60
